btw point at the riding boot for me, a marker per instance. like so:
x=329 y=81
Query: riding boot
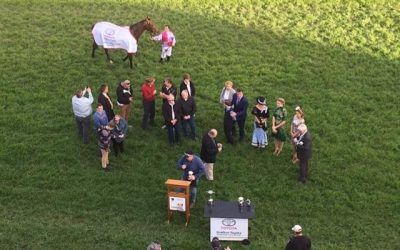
x=168 y=58
x=161 y=60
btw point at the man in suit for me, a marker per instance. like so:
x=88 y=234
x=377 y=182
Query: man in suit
x=171 y=113
x=304 y=151
x=209 y=151
x=239 y=111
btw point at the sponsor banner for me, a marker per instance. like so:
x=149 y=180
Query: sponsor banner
x=229 y=229
x=177 y=203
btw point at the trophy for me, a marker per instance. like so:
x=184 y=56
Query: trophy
x=210 y=200
x=248 y=205
x=190 y=176
x=241 y=203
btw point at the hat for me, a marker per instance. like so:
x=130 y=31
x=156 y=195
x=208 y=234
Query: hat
x=261 y=100
x=297 y=228
x=215 y=244
x=189 y=152
x=155 y=245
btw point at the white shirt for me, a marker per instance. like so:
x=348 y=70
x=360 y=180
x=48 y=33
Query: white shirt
x=82 y=107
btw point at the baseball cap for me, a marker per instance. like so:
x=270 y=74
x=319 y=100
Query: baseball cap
x=297 y=228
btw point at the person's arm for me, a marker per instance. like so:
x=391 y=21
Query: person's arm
x=200 y=167
x=157 y=38
x=194 y=108
x=180 y=163
x=173 y=40
x=182 y=87
x=173 y=91
x=221 y=97
x=96 y=121
x=124 y=127
x=192 y=89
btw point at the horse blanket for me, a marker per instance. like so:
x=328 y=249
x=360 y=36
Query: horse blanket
x=112 y=36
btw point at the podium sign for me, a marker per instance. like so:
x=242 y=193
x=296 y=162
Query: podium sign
x=229 y=229
x=177 y=203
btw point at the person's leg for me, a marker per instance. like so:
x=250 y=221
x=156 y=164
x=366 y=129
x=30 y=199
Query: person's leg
x=115 y=147
x=280 y=147
x=146 y=114
x=121 y=147
x=176 y=130
x=128 y=112
x=192 y=124
x=122 y=111
x=86 y=129
x=152 y=112
x=241 y=129
x=209 y=167
x=193 y=195
x=228 y=123
x=103 y=158
x=170 y=130
x=303 y=170
x=79 y=126
x=185 y=127
x=107 y=161
x=169 y=53
x=276 y=142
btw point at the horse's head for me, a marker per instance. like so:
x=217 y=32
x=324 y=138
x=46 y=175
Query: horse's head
x=150 y=26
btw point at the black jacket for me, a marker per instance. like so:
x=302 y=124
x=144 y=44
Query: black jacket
x=167 y=112
x=304 y=147
x=192 y=88
x=188 y=107
x=106 y=106
x=123 y=94
x=209 y=149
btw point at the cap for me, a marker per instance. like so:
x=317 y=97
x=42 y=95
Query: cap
x=215 y=244
x=261 y=100
x=297 y=228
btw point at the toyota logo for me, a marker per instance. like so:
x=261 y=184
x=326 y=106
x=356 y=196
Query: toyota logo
x=229 y=222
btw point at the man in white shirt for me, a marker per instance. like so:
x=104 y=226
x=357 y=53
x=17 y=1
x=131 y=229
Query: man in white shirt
x=82 y=108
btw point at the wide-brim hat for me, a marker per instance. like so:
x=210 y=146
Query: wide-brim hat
x=261 y=100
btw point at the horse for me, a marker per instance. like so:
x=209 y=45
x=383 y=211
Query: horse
x=112 y=36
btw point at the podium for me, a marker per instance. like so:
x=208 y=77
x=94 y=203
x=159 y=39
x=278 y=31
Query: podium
x=178 y=192
x=229 y=221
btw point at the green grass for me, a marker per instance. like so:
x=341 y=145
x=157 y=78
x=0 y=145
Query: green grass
x=338 y=59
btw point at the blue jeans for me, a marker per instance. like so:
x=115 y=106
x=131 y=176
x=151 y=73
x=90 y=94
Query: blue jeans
x=192 y=124
x=193 y=194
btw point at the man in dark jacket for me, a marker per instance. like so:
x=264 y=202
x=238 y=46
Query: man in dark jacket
x=304 y=151
x=188 y=109
x=171 y=113
x=188 y=85
x=124 y=98
x=239 y=111
x=298 y=242
x=209 y=151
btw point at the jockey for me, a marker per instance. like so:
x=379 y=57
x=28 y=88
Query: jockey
x=167 y=39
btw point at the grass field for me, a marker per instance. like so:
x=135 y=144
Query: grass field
x=340 y=60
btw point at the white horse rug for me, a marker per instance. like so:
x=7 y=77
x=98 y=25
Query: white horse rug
x=112 y=36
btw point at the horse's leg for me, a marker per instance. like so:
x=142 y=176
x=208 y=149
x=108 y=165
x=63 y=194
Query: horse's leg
x=130 y=59
x=108 y=56
x=95 y=46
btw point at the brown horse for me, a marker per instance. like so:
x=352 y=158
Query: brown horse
x=111 y=36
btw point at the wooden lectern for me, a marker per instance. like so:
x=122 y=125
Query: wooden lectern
x=178 y=201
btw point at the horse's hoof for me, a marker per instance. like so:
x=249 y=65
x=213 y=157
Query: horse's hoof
x=111 y=61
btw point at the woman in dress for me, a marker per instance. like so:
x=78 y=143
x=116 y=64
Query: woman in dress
x=298 y=119
x=105 y=100
x=278 y=123
x=261 y=115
